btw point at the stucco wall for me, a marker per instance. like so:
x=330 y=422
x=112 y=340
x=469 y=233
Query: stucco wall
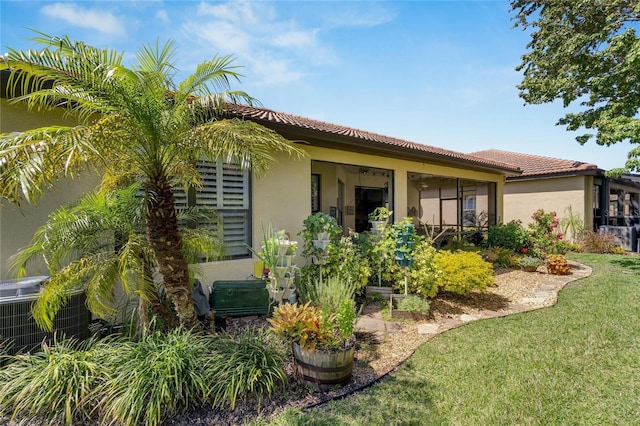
x=17 y=225
x=281 y=199
x=523 y=198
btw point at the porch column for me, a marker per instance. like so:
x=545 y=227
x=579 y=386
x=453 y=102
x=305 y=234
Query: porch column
x=400 y=203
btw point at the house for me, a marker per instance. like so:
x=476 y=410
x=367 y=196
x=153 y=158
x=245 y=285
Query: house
x=559 y=185
x=347 y=173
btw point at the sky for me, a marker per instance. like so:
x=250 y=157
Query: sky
x=440 y=73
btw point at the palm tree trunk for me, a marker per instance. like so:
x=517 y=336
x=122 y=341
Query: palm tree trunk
x=166 y=242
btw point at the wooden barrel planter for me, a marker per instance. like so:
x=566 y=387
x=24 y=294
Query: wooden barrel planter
x=324 y=368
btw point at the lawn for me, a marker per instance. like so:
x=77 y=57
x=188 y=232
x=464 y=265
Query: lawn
x=577 y=362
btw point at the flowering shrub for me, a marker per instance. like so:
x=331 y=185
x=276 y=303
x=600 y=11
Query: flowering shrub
x=545 y=238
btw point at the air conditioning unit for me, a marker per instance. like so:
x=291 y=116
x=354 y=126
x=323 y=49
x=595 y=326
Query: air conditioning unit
x=627 y=236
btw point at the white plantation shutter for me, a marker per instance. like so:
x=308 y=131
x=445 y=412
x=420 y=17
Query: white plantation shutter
x=225 y=189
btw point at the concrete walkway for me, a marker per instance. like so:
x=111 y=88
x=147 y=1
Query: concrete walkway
x=545 y=294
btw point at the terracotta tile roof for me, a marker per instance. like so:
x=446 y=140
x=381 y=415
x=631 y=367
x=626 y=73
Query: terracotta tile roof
x=535 y=165
x=366 y=140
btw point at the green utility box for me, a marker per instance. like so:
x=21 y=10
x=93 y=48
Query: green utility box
x=239 y=298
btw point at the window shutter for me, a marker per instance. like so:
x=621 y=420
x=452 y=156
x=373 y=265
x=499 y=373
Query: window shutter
x=225 y=189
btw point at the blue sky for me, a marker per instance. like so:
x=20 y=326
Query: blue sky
x=435 y=72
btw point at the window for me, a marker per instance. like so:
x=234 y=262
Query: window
x=225 y=188
x=469 y=210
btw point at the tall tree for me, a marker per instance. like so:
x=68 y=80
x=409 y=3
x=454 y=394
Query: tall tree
x=586 y=53
x=99 y=243
x=135 y=119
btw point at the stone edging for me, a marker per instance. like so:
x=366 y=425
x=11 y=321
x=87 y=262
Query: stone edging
x=545 y=295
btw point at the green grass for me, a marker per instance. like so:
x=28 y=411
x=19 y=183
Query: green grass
x=575 y=363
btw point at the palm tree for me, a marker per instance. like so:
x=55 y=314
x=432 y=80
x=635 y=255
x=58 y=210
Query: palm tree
x=98 y=243
x=136 y=120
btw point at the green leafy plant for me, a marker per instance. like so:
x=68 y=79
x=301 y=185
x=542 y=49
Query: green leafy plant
x=330 y=293
x=344 y=258
x=423 y=274
x=530 y=261
x=415 y=304
x=313 y=226
x=56 y=384
x=512 y=236
x=154 y=377
x=270 y=248
x=462 y=272
x=572 y=224
x=380 y=214
x=249 y=363
x=346 y=315
x=311 y=327
x=502 y=257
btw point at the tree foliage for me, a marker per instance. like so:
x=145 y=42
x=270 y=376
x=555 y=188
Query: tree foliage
x=133 y=120
x=586 y=53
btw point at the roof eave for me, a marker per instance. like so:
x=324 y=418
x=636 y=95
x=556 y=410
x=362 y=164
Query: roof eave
x=319 y=138
x=589 y=172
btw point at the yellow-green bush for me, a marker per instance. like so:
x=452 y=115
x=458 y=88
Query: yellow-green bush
x=423 y=274
x=462 y=272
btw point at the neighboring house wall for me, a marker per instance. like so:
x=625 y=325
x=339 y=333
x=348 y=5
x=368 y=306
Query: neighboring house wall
x=522 y=198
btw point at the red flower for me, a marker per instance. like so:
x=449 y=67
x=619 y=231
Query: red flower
x=524 y=250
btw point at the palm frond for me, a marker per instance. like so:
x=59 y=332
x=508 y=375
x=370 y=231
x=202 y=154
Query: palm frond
x=31 y=161
x=211 y=76
x=158 y=60
x=241 y=142
x=54 y=295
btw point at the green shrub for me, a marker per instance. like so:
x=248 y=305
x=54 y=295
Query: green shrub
x=154 y=377
x=462 y=272
x=512 y=236
x=423 y=274
x=415 y=304
x=502 y=257
x=342 y=258
x=251 y=363
x=530 y=261
x=55 y=384
x=330 y=293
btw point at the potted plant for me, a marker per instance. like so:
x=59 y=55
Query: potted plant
x=529 y=263
x=280 y=276
x=319 y=229
x=321 y=331
x=291 y=253
x=379 y=218
x=411 y=307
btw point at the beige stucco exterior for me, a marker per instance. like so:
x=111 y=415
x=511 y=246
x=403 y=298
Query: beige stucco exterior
x=18 y=224
x=281 y=199
x=523 y=197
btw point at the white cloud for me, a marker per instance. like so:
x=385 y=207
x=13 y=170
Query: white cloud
x=163 y=16
x=273 y=50
x=356 y=15
x=98 y=20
